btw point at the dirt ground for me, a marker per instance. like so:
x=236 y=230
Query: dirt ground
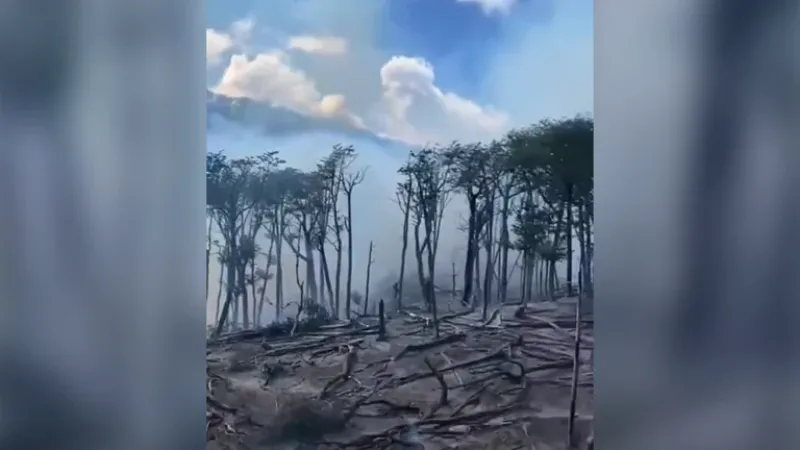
x=504 y=383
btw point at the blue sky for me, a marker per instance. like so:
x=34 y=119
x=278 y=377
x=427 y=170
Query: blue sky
x=409 y=72
x=541 y=47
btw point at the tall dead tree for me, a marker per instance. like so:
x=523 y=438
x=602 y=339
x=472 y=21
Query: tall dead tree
x=348 y=180
x=403 y=198
x=330 y=168
x=488 y=242
x=307 y=205
x=509 y=186
x=431 y=180
x=470 y=165
x=226 y=184
x=369 y=269
x=452 y=285
x=221 y=259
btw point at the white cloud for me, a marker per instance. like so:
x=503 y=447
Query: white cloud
x=268 y=77
x=221 y=43
x=418 y=111
x=320 y=45
x=403 y=104
x=490 y=7
x=217 y=45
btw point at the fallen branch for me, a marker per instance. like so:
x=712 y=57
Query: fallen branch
x=410 y=409
x=350 y=361
x=474 y=398
x=442 y=383
x=497 y=354
x=449 y=339
x=296 y=348
x=450 y=362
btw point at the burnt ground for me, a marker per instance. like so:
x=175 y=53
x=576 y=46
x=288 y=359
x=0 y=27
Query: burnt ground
x=504 y=383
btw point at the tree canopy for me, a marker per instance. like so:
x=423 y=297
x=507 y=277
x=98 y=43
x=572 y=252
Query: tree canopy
x=528 y=198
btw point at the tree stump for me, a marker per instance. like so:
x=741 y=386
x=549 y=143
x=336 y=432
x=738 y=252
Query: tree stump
x=381 y=321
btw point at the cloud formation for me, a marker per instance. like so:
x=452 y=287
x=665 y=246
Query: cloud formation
x=220 y=43
x=268 y=77
x=420 y=112
x=408 y=106
x=319 y=45
x=217 y=45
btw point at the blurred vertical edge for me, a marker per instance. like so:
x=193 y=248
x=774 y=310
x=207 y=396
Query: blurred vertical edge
x=102 y=118
x=696 y=114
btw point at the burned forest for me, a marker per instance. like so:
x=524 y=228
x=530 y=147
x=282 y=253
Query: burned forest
x=487 y=343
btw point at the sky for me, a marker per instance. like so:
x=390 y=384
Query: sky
x=387 y=75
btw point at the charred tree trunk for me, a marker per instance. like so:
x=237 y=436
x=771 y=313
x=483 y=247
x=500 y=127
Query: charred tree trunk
x=505 y=243
x=349 y=227
x=321 y=298
x=231 y=284
x=453 y=285
x=323 y=256
x=233 y=323
x=403 y=252
x=431 y=292
x=569 y=239
x=311 y=274
x=242 y=279
x=253 y=294
x=366 y=288
x=263 y=293
x=280 y=234
x=338 y=288
x=488 y=274
x=381 y=321
x=523 y=281
x=220 y=287
x=469 y=262
x=477 y=271
x=588 y=282
x=419 y=254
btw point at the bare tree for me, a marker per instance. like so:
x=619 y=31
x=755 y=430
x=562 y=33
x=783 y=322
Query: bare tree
x=266 y=275
x=226 y=185
x=488 y=242
x=348 y=180
x=532 y=194
x=430 y=181
x=221 y=259
x=471 y=165
x=330 y=169
x=403 y=199
x=307 y=207
x=508 y=187
x=452 y=285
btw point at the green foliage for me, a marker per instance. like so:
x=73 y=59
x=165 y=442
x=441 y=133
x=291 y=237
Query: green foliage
x=554 y=160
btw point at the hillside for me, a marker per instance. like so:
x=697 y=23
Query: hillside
x=504 y=383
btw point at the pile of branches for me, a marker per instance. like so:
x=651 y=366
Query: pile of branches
x=370 y=388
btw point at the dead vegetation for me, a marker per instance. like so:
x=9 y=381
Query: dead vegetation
x=501 y=383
